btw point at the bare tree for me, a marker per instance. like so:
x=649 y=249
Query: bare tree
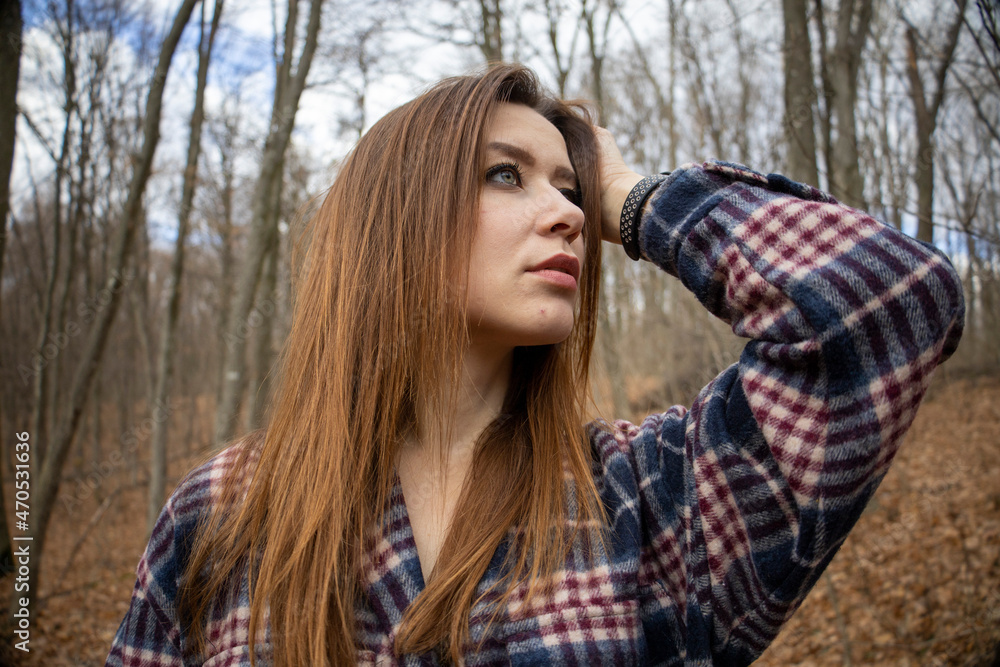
x=966 y=185
x=746 y=65
x=261 y=352
x=925 y=112
x=562 y=62
x=596 y=26
x=11 y=25
x=491 y=30
x=168 y=335
x=800 y=94
x=40 y=405
x=966 y=143
x=363 y=56
x=291 y=81
x=225 y=132
x=49 y=480
x=886 y=121
x=839 y=67
x=980 y=81
x=596 y=17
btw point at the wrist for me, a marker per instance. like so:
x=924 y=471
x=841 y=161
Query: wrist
x=612 y=203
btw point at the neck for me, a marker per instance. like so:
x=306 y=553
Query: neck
x=479 y=398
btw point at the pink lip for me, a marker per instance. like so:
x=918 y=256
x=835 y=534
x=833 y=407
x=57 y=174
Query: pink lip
x=559 y=269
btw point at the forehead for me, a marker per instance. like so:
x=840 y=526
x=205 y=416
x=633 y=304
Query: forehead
x=524 y=127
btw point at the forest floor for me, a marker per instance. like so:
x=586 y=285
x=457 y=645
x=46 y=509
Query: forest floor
x=916 y=583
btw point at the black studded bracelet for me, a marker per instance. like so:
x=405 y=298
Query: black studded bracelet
x=632 y=212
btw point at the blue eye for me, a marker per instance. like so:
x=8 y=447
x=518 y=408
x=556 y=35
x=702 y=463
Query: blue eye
x=507 y=173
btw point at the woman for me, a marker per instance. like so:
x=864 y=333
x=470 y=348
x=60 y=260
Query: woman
x=424 y=492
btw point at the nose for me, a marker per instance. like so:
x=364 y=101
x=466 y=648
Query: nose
x=561 y=216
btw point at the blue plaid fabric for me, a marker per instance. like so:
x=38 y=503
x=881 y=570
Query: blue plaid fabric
x=722 y=516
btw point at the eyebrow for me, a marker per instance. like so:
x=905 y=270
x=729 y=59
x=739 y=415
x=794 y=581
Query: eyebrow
x=525 y=157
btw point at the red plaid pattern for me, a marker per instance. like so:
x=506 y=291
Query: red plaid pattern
x=794 y=424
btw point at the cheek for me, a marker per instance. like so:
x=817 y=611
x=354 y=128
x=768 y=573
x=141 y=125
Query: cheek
x=493 y=251
x=484 y=241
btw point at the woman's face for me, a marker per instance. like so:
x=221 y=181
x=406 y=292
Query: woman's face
x=526 y=256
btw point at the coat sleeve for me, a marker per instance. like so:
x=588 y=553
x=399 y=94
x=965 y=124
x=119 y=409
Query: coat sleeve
x=149 y=635
x=745 y=497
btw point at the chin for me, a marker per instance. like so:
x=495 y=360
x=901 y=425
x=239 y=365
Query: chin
x=541 y=325
x=554 y=332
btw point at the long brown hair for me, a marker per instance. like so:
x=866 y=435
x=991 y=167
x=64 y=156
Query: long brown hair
x=379 y=325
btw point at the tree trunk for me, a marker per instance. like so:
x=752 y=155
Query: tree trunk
x=825 y=113
x=491 y=22
x=893 y=173
x=853 y=22
x=47 y=486
x=966 y=197
x=925 y=113
x=554 y=14
x=160 y=407
x=263 y=218
x=800 y=95
x=50 y=343
x=226 y=262
x=671 y=115
x=10 y=63
x=609 y=335
x=263 y=358
x=744 y=68
x=597 y=49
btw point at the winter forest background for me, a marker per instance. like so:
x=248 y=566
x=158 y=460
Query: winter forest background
x=158 y=157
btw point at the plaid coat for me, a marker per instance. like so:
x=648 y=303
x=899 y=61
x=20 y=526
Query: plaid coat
x=722 y=516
